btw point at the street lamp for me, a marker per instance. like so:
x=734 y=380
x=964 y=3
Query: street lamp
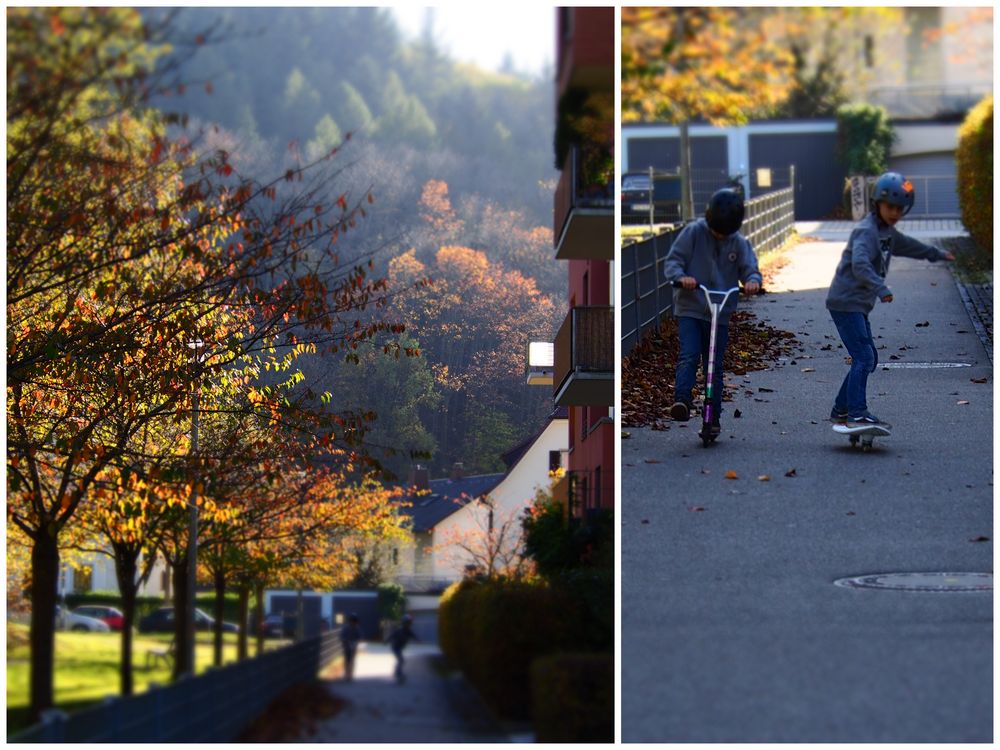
x=192 y=552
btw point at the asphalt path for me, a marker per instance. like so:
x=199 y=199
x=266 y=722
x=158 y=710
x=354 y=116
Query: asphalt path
x=732 y=627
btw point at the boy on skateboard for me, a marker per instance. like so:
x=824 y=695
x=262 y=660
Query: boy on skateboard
x=712 y=252
x=860 y=279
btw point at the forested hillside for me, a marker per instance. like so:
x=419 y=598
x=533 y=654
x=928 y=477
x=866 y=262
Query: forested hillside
x=459 y=162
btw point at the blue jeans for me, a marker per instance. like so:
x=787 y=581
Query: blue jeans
x=856 y=333
x=694 y=339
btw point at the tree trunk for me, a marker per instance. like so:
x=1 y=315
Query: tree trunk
x=220 y=610
x=259 y=610
x=44 y=588
x=125 y=570
x=687 y=192
x=241 y=649
x=181 y=604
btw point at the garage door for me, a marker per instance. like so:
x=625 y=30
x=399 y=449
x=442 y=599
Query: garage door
x=934 y=183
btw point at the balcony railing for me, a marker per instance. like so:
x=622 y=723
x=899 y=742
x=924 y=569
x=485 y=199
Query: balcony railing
x=584 y=212
x=584 y=358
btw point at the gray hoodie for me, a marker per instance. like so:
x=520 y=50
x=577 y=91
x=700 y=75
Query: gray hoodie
x=718 y=264
x=860 y=276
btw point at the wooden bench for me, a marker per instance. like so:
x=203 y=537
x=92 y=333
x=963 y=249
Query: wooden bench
x=157 y=654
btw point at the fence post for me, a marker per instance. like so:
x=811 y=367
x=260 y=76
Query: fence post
x=53 y=725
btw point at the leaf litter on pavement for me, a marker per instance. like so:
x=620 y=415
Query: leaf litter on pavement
x=648 y=371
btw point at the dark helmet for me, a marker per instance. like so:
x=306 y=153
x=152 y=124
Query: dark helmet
x=407 y=619
x=895 y=190
x=724 y=212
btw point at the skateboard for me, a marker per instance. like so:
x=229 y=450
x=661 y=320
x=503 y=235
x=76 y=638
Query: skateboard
x=714 y=307
x=865 y=434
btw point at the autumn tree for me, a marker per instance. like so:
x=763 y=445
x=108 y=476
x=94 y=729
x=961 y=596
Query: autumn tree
x=682 y=64
x=125 y=247
x=490 y=544
x=473 y=323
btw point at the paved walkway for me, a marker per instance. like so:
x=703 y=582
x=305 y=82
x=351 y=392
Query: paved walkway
x=919 y=228
x=733 y=629
x=428 y=707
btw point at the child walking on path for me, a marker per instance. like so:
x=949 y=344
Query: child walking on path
x=860 y=279
x=398 y=639
x=710 y=251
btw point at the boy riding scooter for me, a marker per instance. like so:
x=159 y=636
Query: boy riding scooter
x=709 y=252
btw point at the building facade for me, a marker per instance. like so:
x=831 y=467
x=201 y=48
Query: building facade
x=584 y=226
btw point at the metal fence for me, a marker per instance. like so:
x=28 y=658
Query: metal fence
x=212 y=707
x=646 y=296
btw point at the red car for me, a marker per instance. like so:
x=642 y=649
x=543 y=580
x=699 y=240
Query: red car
x=113 y=617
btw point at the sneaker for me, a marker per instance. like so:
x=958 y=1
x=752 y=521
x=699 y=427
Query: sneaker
x=680 y=412
x=839 y=415
x=864 y=419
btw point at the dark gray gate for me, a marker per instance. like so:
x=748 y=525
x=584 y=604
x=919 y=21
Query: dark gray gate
x=287 y=605
x=819 y=177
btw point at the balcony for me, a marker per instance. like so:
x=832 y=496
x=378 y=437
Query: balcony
x=584 y=371
x=584 y=213
x=586 y=48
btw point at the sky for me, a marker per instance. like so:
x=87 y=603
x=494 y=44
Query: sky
x=484 y=33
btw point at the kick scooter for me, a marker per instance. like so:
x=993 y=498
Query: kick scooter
x=707 y=438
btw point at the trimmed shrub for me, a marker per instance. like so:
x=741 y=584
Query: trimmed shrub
x=573 y=698
x=514 y=622
x=391 y=601
x=494 y=630
x=974 y=167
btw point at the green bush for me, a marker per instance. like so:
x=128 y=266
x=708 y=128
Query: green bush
x=974 y=167
x=573 y=698
x=391 y=601
x=864 y=138
x=494 y=630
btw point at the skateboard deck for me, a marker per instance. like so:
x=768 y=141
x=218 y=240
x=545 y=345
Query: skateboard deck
x=866 y=434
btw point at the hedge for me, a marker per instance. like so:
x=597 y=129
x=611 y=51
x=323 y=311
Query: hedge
x=974 y=157
x=574 y=698
x=494 y=630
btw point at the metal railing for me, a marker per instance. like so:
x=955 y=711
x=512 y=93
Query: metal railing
x=215 y=706
x=647 y=297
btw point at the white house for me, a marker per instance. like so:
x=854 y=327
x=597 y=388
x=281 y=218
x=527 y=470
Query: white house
x=454 y=515
x=96 y=572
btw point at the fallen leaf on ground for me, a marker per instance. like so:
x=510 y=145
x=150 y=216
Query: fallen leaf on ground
x=980 y=380
x=791 y=473
x=764 y=478
x=732 y=475
x=924 y=324
x=696 y=509
x=808 y=369
x=962 y=403
x=626 y=435
x=980 y=539
x=652 y=461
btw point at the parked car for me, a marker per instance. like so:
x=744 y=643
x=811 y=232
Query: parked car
x=273 y=626
x=113 y=617
x=636 y=196
x=66 y=620
x=162 y=621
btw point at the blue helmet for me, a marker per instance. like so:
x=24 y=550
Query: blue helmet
x=724 y=212
x=895 y=190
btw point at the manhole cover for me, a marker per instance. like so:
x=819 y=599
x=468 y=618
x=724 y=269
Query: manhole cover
x=922 y=365
x=928 y=583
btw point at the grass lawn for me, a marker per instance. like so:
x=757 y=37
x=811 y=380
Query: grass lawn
x=87 y=666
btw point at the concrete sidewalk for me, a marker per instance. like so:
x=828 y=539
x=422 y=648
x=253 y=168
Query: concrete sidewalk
x=428 y=707
x=922 y=229
x=732 y=627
